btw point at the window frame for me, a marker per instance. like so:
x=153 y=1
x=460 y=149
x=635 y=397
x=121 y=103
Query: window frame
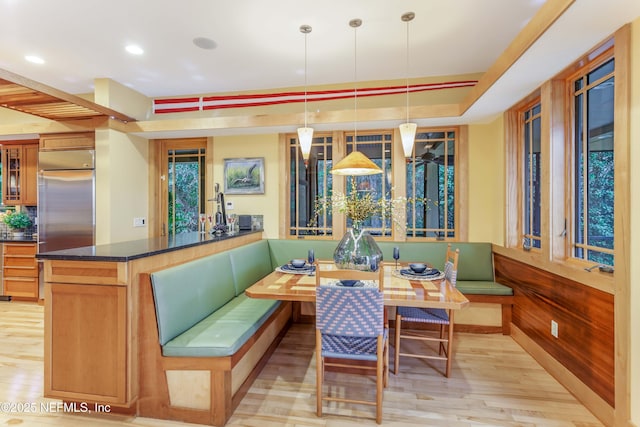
x=457 y=206
x=398 y=183
x=583 y=71
x=557 y=156
x=290 y=141
x=522 y=181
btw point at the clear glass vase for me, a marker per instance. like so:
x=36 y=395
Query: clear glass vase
x=357 y=251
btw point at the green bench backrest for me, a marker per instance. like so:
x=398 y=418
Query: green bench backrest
x=249 y=264
x=432 y=252
x=475 y=261
x=187 y=293
x=282 y=251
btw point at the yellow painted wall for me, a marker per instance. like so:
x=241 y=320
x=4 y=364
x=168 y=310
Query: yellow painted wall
x=634 y=268
x=122 y=99
x=486 y=182
x=228 y=147
x=12 y=117
x=122 y=186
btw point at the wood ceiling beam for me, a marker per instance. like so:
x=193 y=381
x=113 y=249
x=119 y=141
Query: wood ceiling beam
x=92 y=108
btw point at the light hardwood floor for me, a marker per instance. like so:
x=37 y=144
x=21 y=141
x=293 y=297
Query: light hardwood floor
x=493 y=383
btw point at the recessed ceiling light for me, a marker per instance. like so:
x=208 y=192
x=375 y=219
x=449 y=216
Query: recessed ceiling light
x=34 y=59
x=205 y=43
x=134 y=49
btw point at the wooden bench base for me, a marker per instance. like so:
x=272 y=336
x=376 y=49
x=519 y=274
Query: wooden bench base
x=202 y=390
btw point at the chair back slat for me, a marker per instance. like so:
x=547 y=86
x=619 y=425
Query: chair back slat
x=354 y=312
x=451 y=265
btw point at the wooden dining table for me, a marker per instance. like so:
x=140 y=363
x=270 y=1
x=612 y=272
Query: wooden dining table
x=398 y=290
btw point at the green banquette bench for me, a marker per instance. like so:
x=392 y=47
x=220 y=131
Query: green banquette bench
x=211 y=340
x=210 y=337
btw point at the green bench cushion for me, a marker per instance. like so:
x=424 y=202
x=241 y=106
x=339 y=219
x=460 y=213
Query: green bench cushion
x=482 y=287
x=187 y=293
x=249 y=264
x=223 y=332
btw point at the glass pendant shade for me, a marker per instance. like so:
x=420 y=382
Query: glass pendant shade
x=355 y=163
x=408 y=136
x=305 y=137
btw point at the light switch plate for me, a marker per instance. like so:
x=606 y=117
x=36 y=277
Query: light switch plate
x=139 y=221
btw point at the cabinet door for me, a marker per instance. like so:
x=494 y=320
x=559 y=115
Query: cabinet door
x=11 y=179
x=67 y=141
x=20 y=175
x=20 y=271
x=30 y=175
x=24 y=288
x=87 y=361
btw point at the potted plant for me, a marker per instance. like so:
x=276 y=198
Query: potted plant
x=17 y=222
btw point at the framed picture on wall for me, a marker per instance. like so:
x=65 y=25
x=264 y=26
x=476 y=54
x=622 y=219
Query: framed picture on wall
x=244 y=176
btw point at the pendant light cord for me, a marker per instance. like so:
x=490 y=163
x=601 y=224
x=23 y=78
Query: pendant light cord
x=355 y=86
x=407 y=65
x=355 y=23
x=305 y=78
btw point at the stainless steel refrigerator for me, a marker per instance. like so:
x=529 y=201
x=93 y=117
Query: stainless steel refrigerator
x=66 y=199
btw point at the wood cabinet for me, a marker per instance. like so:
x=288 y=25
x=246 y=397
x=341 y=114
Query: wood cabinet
x=67 y=141
x=20 y=174
x=20 y=271
x=90 y=351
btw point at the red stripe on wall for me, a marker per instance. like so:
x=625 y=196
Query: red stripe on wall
x=162 y=106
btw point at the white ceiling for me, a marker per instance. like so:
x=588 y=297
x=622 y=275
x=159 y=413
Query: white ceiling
x=259 y=45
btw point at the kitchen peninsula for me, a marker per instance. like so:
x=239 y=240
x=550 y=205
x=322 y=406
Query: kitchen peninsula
x=92 y=312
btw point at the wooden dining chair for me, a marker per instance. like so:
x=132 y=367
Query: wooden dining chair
x=351 y=324
x=438 y=316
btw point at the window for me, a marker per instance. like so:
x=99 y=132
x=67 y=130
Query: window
x=308 y=185
x=431 y=185
x=531 y=177
x=593 y=165
x=184 y=167
x=377 y=147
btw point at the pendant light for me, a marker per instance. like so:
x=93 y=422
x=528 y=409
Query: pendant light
x=305 y=134
x=355 y=163
x=408 y=130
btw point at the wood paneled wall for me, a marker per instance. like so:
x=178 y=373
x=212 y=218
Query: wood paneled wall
x=585 y=317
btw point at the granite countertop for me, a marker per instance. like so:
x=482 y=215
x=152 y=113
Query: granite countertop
x=25 y=239
x=127 y=251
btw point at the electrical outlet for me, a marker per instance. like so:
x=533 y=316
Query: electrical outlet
x=554 y=328
x=139 y=222
x=229 y=206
